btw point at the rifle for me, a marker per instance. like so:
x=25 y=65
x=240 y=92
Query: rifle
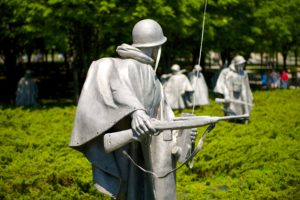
x=113 y=141
x=218 y=100
x=164 y=76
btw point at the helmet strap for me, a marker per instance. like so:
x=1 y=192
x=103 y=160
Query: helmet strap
x=157 y=59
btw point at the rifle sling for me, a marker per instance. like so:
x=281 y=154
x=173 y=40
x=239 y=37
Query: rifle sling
x=196 y=150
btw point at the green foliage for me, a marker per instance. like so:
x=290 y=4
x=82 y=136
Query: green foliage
x=235 y=25
x=35 y=160
x=278 y=26
x=255 y=161
x=86 y=30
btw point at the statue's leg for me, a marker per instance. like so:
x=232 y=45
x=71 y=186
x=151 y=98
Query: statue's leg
x=163 y=161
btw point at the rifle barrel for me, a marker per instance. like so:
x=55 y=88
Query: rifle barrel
x=218 y=100
x=234 y=117
x=192 y=122
x=209 y=117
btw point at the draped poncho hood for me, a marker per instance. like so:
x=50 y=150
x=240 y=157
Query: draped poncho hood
x=114 y=88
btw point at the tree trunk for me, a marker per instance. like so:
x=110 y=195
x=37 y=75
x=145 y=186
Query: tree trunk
x=247 y=55
x=78 y=63
x=284 y=54
x=12 y=74
x=29 y=55
x=296 y=57
x=52 y=55
x=261 y=59
x=45 y=56
x=209 y=61
x=202 y=61
x=165 y=61
x=225 y=56
x=195 y=56
x=74 y=72
x=76 y=84
x=276 y=58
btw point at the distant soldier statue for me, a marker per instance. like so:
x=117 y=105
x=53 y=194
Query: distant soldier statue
x=27 y=91
x=122 y=94
x=177 y=88
x=233 y=84
x=200 y=95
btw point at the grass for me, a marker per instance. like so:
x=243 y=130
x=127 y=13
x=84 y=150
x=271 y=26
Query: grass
x=255 y=161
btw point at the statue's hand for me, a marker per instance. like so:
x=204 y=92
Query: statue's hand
x=141 y=124
x=227 y=99
x=194 y=134
x=164 y=76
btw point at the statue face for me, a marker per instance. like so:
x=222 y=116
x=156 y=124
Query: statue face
x=240 y=68
x=155 y=52
x=151 y=51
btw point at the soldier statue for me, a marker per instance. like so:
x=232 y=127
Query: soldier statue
x=233 y=84
x=27 y=91
x=120 y=94
x=200 y=95
x=177 y=88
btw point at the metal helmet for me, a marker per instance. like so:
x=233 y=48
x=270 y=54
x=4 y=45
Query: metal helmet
x=198 y=67
x=147 y=33
x=237 y=60
x=28 y=73
x=175 y=68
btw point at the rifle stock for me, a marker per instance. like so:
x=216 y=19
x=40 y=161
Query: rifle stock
x=113 y=141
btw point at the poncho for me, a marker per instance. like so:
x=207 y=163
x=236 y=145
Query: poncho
x=114 y=88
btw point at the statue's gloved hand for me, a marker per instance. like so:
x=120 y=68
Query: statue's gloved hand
x=165 y=76
x=193 y=134
x=227 y=99
x=141 y=124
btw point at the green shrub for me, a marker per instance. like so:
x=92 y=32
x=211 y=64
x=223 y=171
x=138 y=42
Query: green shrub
x=255 y=161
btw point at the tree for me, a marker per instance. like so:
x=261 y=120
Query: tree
x=278 y=20
x=234 y=26
x=13 y=33
x=86 y=30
